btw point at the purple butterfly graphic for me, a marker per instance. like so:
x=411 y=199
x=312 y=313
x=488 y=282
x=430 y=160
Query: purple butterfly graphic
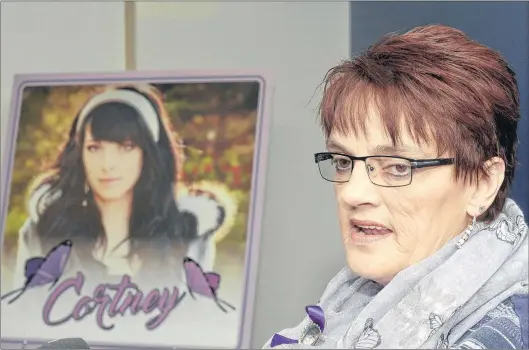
x=203 y=283
x=40 y=271
x=310 y=334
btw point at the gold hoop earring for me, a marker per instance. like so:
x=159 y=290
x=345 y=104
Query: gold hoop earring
x=86 y=190
x=469 y=229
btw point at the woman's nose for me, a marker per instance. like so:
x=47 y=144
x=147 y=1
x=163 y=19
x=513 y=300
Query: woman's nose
x=359 y=190
x=109 y=158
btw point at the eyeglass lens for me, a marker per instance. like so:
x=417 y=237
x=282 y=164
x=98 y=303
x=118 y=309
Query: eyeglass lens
x=382 y=171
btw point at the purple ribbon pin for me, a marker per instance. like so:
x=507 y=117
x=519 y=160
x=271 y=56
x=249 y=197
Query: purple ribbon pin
x=310 y=334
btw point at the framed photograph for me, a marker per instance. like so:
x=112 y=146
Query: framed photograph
x=131 y=209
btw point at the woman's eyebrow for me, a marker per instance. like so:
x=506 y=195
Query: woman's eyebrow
x=397 y=150
x=335 y=146
x=389 y=150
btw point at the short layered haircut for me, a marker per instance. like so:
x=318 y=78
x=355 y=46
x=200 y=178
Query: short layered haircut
x=444 y=88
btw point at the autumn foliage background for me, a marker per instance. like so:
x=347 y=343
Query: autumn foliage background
x=215 y=121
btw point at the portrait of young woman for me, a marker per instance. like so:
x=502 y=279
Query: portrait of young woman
x=421 y=136
x=113 y=193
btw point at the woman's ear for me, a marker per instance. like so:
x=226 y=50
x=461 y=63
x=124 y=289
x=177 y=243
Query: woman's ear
x=487 y=186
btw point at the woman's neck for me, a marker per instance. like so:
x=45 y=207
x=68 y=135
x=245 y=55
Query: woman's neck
x=115 y=216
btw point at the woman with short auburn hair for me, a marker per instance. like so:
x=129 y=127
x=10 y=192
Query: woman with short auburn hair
x=421 y=148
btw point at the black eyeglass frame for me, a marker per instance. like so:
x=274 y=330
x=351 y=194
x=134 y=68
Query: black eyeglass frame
x=415 y=164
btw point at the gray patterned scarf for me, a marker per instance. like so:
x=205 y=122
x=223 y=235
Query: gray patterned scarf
x=428 y=305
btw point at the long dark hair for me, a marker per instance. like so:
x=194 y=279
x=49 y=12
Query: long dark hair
x=156 y=228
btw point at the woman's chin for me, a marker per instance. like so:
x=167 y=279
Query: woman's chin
x=112 y=196
x=369 y=267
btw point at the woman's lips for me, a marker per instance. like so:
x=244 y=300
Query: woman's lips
x=109 y=181
x=367 y=232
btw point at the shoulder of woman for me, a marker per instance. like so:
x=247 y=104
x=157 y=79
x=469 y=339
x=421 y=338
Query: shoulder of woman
x=207 y=212
x=504 y=327
x=28 y=239
x=213 y=206
x=39 y=199
x=27 y=235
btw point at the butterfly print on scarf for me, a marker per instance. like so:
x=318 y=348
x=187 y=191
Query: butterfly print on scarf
x=203 y=283
x=40 y=271
x=369 y=338
x=435 y=323
x=442 y=343
x=509 y=230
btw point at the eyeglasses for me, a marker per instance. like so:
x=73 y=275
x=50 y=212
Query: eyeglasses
x=385 y=171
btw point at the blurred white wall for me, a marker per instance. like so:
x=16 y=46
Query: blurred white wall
x=54 y=37
x=295 y=42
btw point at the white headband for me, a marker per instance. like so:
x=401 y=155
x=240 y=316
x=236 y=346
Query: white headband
x=131 y=98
